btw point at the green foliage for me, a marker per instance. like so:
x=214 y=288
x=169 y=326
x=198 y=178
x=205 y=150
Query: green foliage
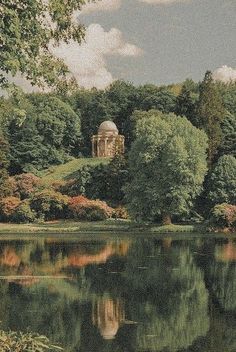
x=223 y=215
x=25 y=342
x=228 y=126
x=210 y=114
x=23 y=213
x=49 y=204
x=4 y=163
x=167 y=166
x=42 y=130
x=222 y=181
x=34 y=26
x=186 y=104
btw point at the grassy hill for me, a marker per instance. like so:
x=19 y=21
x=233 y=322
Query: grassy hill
x=69 y=170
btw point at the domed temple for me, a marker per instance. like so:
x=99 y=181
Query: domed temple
x=108 y=142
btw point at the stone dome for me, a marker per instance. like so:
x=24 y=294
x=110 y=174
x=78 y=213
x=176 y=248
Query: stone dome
x=108 y=127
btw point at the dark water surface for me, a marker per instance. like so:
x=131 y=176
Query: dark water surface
x=125 y=294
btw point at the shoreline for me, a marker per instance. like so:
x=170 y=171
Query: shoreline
x=108 y=226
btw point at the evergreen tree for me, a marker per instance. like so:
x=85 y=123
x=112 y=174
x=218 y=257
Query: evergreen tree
x=185 y=104
x=210 y=114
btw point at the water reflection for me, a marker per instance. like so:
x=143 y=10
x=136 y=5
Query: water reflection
x=122 y=295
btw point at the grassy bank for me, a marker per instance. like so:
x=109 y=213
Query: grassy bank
x=69 y=170
x=99 y=226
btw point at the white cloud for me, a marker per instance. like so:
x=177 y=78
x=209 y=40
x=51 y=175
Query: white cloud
x=225 y=74
x=87 y=62
x=101 y=5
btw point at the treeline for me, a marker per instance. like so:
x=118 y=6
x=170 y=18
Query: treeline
x=41 y=130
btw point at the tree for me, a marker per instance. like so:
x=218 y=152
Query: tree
x=28 y=29
x=228 y=126
x=186 y=104
x=124 y=99
x=210 y=114
x=222 y=181
x=4 y=163
x=167 y=164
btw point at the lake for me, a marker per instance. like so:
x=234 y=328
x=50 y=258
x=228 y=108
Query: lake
x=101 y=293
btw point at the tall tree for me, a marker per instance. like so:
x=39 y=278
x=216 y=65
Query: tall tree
x=210 y=114
x=28 y=29
x=4 y=163
x=222 y=181
x=167 y=166
x=186 y=104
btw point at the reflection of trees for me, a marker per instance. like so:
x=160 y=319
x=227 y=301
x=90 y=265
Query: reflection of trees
x=175 y=310
x=43 y=309
x=221 y=276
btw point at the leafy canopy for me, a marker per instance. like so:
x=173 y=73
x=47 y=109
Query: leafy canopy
x=167 y=165
x=28 y=29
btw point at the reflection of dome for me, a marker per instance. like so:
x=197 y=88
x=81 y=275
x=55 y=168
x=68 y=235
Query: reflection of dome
x=107 y=127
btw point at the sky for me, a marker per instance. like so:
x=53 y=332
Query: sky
x=153 y=41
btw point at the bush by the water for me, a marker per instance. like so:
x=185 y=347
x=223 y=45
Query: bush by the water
x=223 y=215
x=8 y=206
x=49 y=205
x=25 y=184
x=23 y=213
x=81 y=208
x=25 y=342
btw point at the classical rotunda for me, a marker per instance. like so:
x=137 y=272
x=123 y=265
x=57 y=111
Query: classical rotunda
x=108 y=142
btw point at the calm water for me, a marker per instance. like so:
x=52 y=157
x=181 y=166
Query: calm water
x=122 y=294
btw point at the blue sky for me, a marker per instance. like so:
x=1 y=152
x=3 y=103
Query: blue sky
x=179 y=39
x=152 y=41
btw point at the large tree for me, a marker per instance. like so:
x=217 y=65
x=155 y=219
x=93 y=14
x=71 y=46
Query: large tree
x=210 y=114
x=28 y=29
x=222 y=181
x=167 y=165
x=4 y=163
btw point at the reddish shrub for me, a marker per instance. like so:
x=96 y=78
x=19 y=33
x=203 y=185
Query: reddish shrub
x=120 y=213
x=82 y=208
x=223 y=215
x=26 y=184
x=7 y=207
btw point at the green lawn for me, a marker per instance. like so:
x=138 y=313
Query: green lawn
x=111 y=225
x=69 y=170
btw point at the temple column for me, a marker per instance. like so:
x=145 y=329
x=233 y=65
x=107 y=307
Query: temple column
x=105 y=146
x=93 y=147
x=98 y=140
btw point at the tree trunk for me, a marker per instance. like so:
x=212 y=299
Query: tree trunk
x=166 y=219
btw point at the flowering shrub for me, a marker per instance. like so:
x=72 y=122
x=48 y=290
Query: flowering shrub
x=81 y=208
x=49 y=204
x=7 y=207
x=26 y=184
x=223 y=215
x=120 y=213
x=23 y=213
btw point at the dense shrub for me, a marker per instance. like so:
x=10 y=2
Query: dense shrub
x=25 y=342
x=81 y=208
x=120 y=213
x=26 y=184
x=223 y=215
x=23 y=213
x=49 y=204
x=7 y=207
